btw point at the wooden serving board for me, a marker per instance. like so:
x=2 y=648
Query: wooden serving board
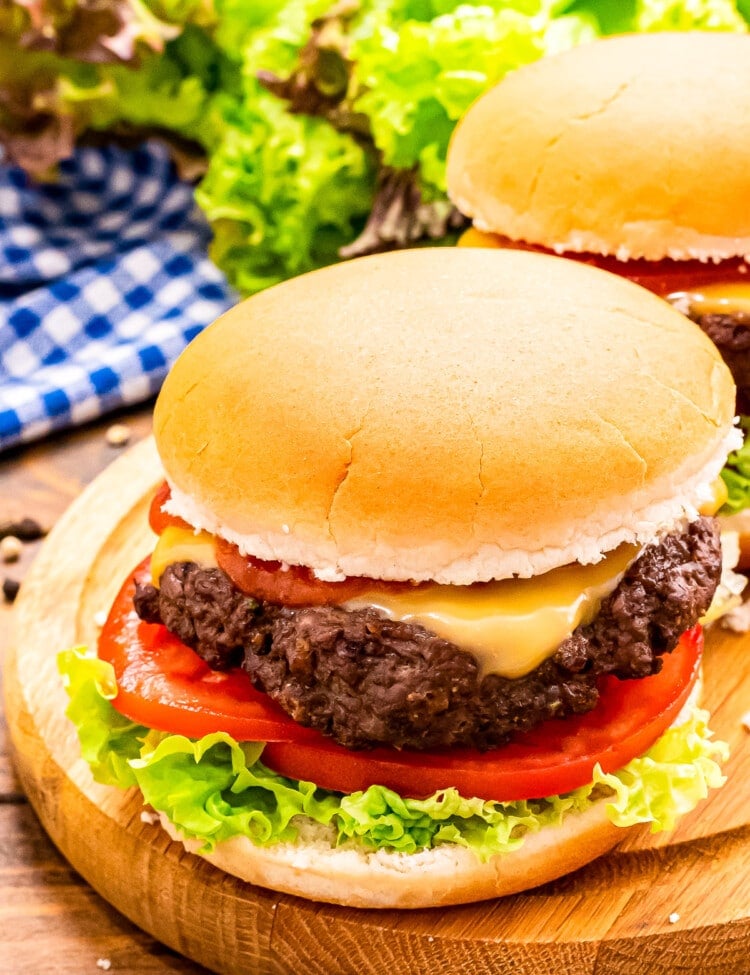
x=655 y=906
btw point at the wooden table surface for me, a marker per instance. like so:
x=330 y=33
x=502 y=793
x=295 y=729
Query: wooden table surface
x=51 y=921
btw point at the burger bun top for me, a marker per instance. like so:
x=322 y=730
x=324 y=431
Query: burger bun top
x=636 y=146
x=445 y=413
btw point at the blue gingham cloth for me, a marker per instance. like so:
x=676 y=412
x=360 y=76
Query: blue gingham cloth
x=104 y=279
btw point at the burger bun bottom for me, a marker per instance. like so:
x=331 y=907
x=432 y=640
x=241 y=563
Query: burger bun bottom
x=355 y=877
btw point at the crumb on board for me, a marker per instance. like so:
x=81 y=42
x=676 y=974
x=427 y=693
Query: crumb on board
x=745 y=721
x=738 y=618
x=100 y=618
x=10 y=548
x=674 y=917
x=118 y=435
x=104 y=963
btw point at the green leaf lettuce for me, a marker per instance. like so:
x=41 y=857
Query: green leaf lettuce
x=366 y=96
x=216 y=788
x=736 y=475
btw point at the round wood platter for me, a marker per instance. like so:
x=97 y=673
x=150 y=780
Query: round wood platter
x=655 y=905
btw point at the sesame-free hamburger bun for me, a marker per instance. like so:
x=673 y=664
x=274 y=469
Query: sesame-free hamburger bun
x=444 y=414
x=636 y=146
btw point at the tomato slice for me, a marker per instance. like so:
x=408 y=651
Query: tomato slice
x=665 y=277
x=294 y=585
x=165 y=685
x=158 y=519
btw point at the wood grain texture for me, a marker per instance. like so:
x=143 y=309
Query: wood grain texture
x=59 y=927
x=49 y=924
x=611 y=918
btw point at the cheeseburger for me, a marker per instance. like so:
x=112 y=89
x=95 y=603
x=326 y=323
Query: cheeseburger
x=423 y=621
x=632 y=153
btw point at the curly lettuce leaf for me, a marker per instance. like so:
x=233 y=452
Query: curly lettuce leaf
x=283 y=192
x=388 y=78
x=86 y=30
x=673 y=776
x=216 y=788
x=185 y=92
x=48 y=99
x=736 y=475
x=623 y=16
x=657 y=15
x=415 y=79
x=109 y=741
x=356 y=121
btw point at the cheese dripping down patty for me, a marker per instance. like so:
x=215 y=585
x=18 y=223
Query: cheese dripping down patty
x=725 y=298
x=510 y=626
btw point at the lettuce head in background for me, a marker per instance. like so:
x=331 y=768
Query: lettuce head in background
x=318 y=130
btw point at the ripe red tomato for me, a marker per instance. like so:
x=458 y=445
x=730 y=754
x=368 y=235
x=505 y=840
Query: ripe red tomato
x=163 y=684
x=665 y=277
x=292 y=586
x=158 y=519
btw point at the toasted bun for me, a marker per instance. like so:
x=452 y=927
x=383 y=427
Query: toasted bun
x=446 y=414
x=315 y=869
x=637 y=146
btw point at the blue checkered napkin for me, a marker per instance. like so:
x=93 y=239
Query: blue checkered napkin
x=104 y=279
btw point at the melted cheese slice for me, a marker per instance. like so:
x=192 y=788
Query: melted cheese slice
x=719 y=495
x=513 y=625
x=182 y=545
x=726 y=298
x=510 y=626
x=473 y=237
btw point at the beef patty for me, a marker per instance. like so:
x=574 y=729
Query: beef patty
x=731 y=336
x=366 y=681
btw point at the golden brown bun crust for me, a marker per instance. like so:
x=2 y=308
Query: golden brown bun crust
x=432 y=878
x=444 y=413
x=637 y=146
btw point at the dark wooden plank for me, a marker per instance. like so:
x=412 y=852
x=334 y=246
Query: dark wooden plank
x=52 y=922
